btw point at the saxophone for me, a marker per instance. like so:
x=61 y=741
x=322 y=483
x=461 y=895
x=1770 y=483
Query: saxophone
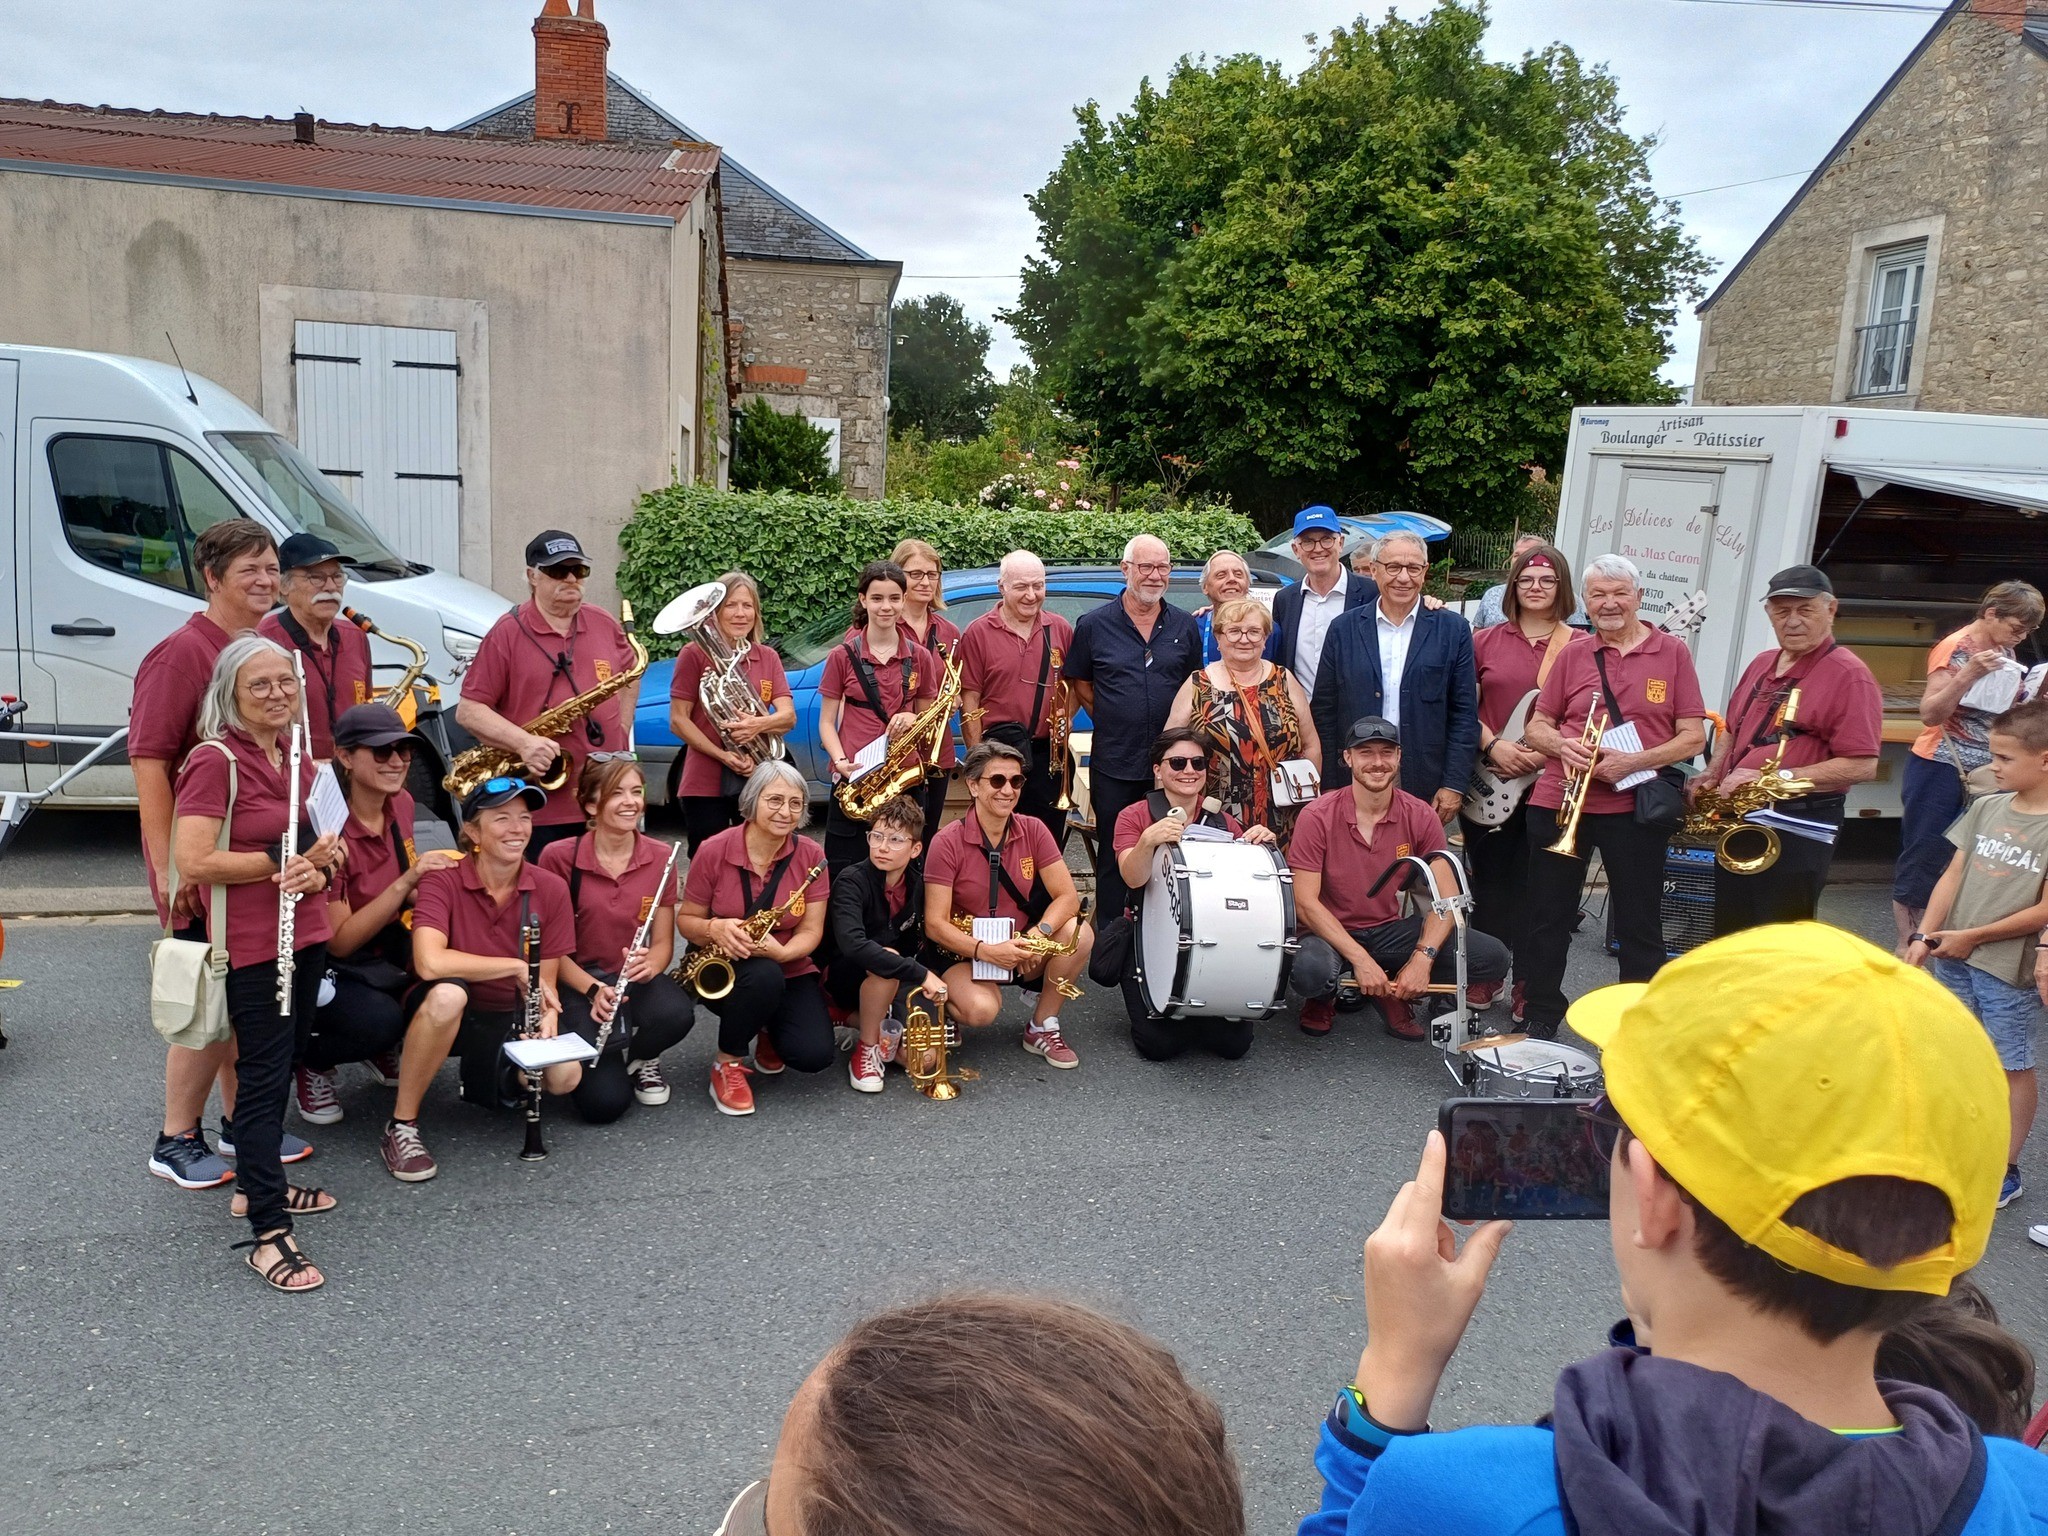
x=1719 y=817
x=701 y=965
x=1032 y=942
x=910 y=757
x=482 y=763
x=399 y=694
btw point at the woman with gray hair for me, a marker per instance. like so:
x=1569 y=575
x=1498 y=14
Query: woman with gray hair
x=233 y=797
x=774 y=1016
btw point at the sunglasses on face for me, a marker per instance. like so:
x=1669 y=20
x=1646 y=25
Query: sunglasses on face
x=1186 y=764
x=1003 y=780
x=567 y=572
x=398 y=749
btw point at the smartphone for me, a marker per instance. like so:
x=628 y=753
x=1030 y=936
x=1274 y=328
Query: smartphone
x=1522 y=1159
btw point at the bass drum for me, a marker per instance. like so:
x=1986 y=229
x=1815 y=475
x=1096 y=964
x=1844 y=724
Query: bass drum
x=1216 y=931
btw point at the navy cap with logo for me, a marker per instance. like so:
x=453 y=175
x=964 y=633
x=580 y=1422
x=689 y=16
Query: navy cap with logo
x=1800 y=581
x=1320 y=518
x=304 y=549
x=372 y=725
x=1372 y=728
x=551 y=546
x=492 y=793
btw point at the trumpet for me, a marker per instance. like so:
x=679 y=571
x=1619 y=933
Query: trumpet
x=702 y=964
x=1578 y=785
x=927 y=1037
x=1032 y=942
x=1059 y=735
x=1720 y=817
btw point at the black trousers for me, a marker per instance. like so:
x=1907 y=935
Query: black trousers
x=1498 y=860
x=790 y=1008
x=359 y=1023
x=846 y=840
x=1109 y=797
x=264 y=1044
x=1041 y=794
x=658 y=1014
x=706 y=816
x=554 y=833
x=1787 y=892
x=1634 y=859
x=1158 y=1039
x=934 y=792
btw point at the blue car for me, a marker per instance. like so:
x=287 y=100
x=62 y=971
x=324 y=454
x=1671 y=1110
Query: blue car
x=1070 y=590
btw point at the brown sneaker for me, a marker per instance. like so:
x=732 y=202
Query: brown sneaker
x=1400 y=1019
x=767 y=1061
x=1317 y=1015
x=405 y=1154
x=730 y=1090
x=1047 y=1041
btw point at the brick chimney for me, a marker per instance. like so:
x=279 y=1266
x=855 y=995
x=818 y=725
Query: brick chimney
x=568 y=71
x=2009 y=14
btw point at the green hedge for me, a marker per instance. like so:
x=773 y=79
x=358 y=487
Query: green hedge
x=806 y=550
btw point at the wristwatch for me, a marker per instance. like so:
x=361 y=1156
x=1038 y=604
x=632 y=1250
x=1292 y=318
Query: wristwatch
x=1916 y=938
x=1427 y=949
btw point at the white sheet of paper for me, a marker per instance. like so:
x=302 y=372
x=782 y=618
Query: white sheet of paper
x=1623 y=738
x=327 y=806
x=1996 y=691
x=991 y=930
x=532 y=1055
x=2031 y=688
x=869 y=757
x=1195 y=832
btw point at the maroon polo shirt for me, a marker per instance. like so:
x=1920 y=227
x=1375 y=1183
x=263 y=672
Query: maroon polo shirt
x=337 y=677
x=1326 y=840
x=257 y=821
x=719 y=876
x=516 y=674
x=1841 y=710
x=609 y=912
x=372 y=863
x=857 y=723
x=1507 y=662
x=942 y=638
x=163 y=718
x=958 y=858
x=764 y=673
x=1002 y=667
x=1656 y=687
x=1135 y=818
x=454 y=903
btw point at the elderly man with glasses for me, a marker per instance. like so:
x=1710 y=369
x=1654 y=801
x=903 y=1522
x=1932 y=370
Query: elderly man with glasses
x=1011 y=661
x=1225 y=579
x=336 y=656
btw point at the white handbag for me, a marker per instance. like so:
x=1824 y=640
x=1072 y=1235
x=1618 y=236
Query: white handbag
x=1295 y=781
x=188 y=980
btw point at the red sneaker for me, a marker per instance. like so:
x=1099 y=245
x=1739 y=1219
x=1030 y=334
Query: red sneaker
x=1480 y=994
x=313 y=1095
x=1400 y=1019
x=385 y=1065
x=1047 y=1041
x=1317 y=1015
x=766 y=1062
x=1518 y=1010
x=730 y=1090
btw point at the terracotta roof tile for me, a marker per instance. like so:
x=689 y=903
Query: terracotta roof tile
x=647 y=179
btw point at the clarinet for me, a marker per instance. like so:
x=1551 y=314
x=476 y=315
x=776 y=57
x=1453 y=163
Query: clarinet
x=604 y=1031
x=288 y=901
x=529 y=1029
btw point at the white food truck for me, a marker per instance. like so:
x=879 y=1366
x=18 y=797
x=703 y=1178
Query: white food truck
x=1911 y=513
x=113 y=467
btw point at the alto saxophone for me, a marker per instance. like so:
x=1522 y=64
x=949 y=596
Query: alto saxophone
x=911 y=755
x=1720 y=816
x=701 y=964
x=399 y=694
x=482 y=763
x=1032 y=942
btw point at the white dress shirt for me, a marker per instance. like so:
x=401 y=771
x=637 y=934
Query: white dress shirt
x=1394 y=642
x=1316 y=614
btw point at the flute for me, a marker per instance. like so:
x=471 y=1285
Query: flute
x=604 y=1030
x=288 y=901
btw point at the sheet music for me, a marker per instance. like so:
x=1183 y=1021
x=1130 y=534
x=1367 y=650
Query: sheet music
x=1195 y=832
x=327 y=806
x=991 y=930
x=1623 y=738
x=870 y=757
x=532 y=1055
x=1996 y=691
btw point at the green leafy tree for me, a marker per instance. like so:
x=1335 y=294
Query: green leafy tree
x=938 y=370
x=1383 y=281
x=772 y=451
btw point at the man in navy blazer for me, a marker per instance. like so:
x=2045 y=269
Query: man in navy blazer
x=1408 y=663
x=1304 y=610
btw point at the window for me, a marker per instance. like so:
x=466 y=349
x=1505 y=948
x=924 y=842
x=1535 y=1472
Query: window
x=134 y=507
x=1884 y=342
x=305 y=499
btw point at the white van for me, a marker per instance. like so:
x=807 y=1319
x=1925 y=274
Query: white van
x=1911 y=513
x=114 y=465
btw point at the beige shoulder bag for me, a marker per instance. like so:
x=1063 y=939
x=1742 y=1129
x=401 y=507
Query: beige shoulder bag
x=188 y=980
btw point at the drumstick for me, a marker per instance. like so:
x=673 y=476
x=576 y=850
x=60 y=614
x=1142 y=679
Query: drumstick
x=1447 y=988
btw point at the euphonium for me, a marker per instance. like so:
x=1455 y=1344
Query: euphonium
x=724 y=691
x=927 y=1037
x=1578 y=785
x=399 y=694
x=910 y=758
x=702 y=964
x=1720 y=816
x=481 y=763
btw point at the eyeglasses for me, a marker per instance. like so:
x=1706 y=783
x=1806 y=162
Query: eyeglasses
x=270 y=688
x=1538 y=583
x=399 y=749
x=613 y=757
x=1317 y=541
x=568 y=571
x=1603 y=1125
x=1151 y=567
x=920 y=578
x=1241 y=632
x=1003 y=780
x=1403 y=569
x=1185 y=764
x=877 y=838
x=312 y=576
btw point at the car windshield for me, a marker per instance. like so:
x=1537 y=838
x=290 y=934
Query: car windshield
x=304 y=499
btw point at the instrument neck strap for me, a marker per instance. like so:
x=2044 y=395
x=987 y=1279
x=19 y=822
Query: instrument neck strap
x=1157 y=803
x=1560 y=637
x=1616 y=717
x=865 y=675
x=217 y=907
x=1044 y=674
x=576 y=873
x=998 y=876
x=1780 y=684
x=756 y=906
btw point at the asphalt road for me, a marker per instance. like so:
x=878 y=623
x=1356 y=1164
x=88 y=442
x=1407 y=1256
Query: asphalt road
x=606 y=1341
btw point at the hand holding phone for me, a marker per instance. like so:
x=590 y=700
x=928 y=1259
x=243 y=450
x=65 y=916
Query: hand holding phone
x=1521 y=1159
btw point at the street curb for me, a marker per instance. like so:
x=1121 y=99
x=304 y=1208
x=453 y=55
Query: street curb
x=76 y=901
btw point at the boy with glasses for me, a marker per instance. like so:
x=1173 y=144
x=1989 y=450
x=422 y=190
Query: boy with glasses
x=877 y=922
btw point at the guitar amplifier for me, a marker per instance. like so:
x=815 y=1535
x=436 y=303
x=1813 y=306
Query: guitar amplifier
x=1688 y=896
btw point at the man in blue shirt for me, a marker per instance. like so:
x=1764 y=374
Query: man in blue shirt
x=1128 y=660
x=1225 y=579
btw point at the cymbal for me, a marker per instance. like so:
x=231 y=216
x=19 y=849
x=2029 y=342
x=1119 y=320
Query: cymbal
x=1488 y=1042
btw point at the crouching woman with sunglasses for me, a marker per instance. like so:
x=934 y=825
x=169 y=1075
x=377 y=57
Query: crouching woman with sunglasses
x=998 y=863
x=1180 y=771
x=233 y=799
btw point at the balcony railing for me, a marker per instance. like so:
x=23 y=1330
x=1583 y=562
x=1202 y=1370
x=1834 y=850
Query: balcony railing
x=1884 y=357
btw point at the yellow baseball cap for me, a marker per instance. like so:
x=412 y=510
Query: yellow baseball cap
x=1772 y=1062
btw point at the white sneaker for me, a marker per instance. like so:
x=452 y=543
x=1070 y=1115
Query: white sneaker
x=2039 y=1233
x=649 y=1087
x=865 y=1069
x=845 y=1037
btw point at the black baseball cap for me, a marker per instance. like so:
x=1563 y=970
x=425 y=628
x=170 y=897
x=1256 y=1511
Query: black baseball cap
x=551 y=546
x=372 y=725
x=492 y=793
x=304 y=549
x=1372 y=728
x=1800 y=581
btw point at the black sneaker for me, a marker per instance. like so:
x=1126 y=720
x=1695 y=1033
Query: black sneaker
x=188 y=1162
x=290 y=1148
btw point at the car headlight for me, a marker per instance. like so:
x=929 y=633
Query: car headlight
x=461 y=644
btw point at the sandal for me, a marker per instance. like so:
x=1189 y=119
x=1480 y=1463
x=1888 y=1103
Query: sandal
x=287 y=1267
x=298 y=1200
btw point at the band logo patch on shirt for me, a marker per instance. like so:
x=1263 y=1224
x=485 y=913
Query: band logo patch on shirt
x=1402 y=850
x=362 y=692
x=412 y=855
x=797 y=907
x=603 y=669
x=1057 y=660
x=1030 y=866
x=767 y=691
x=1655 y=689
x=646 y=906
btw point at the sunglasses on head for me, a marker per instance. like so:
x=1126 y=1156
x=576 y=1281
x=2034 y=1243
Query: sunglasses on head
x=614 y=757
x=1185 y=764
x=1003 y=780
x=503 y=786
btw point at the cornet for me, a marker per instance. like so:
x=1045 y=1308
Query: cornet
x=1578 y=785
x=927 y=1037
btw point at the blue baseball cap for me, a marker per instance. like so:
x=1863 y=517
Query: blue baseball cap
x=1321 y=517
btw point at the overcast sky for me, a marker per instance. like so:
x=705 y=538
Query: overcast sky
x=916 y=129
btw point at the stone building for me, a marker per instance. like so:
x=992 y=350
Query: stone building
x=1911 y=268
x=808 y=310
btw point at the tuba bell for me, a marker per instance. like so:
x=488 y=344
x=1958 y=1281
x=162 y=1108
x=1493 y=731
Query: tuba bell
x=724 y=691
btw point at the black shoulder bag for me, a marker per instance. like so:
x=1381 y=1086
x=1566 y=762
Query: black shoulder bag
x=1022 y=734
x=384 y=964
x=1660 y=802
